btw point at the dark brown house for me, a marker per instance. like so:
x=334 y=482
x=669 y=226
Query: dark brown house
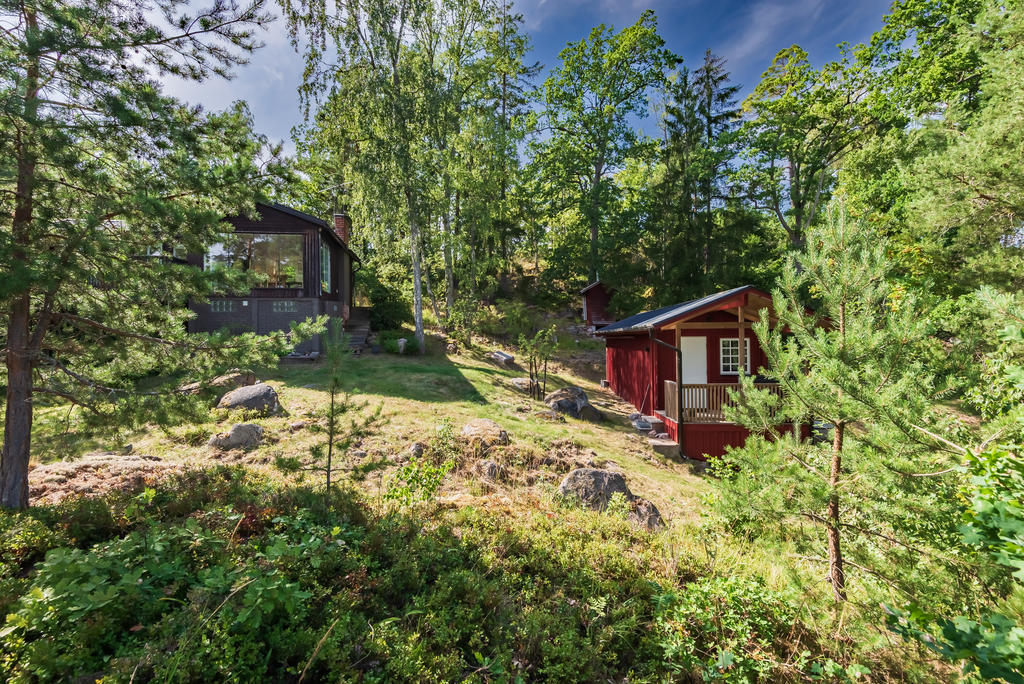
x=303 y=266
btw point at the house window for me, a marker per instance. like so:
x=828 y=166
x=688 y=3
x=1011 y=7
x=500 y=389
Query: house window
x=729 y=356
x=222 y=305
x=325 y=267
x=275 y=258
x=284 y=307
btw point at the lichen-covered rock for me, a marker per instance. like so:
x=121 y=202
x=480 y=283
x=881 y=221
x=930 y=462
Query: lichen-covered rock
x=594 y=487
x=489 y=470
x=484 y=433
x=233 y=379
x=501 y=358
x=645 y=514
x=573 y=401
x=522 y=384
x=260 y=398
x=241 y=436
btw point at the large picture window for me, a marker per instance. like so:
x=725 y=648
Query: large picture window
x=275 y=258
x=729 y=357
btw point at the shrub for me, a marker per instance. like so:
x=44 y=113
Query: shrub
x=389 y=307
x=724 y=629
x=388 y=340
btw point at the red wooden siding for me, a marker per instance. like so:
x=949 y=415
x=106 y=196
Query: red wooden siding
x=596 y=301
x=701 y=441
x=628 y=369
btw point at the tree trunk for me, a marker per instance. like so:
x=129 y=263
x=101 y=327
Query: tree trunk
x=449 y=259
x=14 y=456
x=836 y=574
x=18 y=417
x=417 y=279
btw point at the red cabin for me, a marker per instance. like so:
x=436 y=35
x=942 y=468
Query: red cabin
x=676 y=364
x=596 y=297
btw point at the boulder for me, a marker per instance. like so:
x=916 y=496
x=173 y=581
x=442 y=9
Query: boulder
x=501 y=358
x=484 y=433
x=489 y=470
x=416 y=449
x=573 y=401
x=233 y=379
x=594 y=487
x=645 y=514
x=522 y=384
x=550 y=416
x=452 y=348
x=241 y=436
x=260 y=398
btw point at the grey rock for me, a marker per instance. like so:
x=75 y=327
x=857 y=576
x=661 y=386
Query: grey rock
x=484 y=433
x=522 y=384
x=501 y=358
x=452 y=348
x=416 y=449
x=489 y=470
x=594 y=487
x=573 y=401
x=260 y=398
x=241 y=436
x=358 y=454
x=645 y=514
x=233 y=379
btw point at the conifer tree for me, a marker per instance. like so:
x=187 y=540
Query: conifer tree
x=98 y=170
x=881 y=486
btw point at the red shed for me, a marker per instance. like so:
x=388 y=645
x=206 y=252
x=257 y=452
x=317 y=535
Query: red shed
x=677 y=363
x=596 y=297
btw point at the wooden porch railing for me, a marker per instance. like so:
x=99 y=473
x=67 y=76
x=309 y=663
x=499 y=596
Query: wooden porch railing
x=704 y=403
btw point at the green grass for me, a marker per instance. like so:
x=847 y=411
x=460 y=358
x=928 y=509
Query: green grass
x=515 y=531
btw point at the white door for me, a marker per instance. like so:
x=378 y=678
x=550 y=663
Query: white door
x=695 y=370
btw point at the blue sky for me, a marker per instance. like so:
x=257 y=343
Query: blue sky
x=747 y=33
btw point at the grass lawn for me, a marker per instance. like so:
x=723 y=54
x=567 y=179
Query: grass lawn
x=417 y=393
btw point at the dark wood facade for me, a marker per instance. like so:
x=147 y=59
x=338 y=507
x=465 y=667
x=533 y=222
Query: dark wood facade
x=268 y=309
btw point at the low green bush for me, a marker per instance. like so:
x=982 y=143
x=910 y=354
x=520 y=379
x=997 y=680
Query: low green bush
x=228 y=575
x=388 y=340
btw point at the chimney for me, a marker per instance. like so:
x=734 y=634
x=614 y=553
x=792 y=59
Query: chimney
x=343 y=225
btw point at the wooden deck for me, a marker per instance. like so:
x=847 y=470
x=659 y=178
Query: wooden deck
x=704 y=403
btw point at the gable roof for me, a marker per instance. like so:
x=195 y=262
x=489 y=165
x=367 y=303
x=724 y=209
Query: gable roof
x=309 y=218
x=648 y=320
x=296 y=213
x=592 y=285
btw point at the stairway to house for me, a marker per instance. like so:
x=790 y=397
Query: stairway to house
x=358 y=326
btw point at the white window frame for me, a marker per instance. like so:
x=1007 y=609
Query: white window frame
x=721 y=354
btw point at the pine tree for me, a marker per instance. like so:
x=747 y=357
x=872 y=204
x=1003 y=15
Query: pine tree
x=881 y=486
x=99 y=170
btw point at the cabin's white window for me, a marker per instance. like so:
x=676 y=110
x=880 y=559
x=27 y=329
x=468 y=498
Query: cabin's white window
x=284 y=306
x=222 y=305
x=729 y=354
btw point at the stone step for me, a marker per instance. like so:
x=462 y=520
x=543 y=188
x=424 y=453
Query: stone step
x=665 y=447
x=657 y=424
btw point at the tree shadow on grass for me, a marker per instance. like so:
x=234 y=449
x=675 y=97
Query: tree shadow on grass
x=429 y=378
